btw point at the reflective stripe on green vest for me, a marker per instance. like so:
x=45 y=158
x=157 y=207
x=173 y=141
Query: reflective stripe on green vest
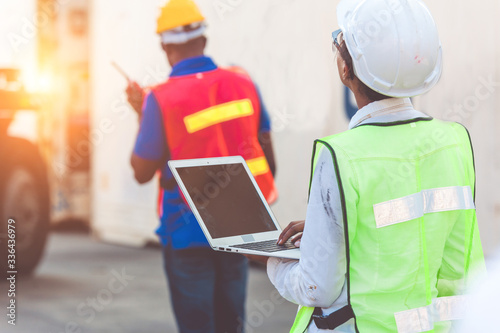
x=412 y=240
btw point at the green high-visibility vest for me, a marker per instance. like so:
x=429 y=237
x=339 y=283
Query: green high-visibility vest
x=411 y=234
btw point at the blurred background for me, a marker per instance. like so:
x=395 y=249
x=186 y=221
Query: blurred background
x=66 y=133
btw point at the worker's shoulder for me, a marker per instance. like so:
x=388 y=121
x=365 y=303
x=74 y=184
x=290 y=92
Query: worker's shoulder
x=336 y=141
x=173 y=84
x=160 y=86
x=338 y=138
x=450 y=126
x=457 y=126
x=236 y=72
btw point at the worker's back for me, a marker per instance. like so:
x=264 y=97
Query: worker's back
x=209 y=114
x=212 y=114
x=411 y=226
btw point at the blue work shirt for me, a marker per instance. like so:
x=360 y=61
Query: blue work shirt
x=178 y=226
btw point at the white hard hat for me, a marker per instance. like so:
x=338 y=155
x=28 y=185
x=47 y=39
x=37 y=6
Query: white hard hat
x=394 y=45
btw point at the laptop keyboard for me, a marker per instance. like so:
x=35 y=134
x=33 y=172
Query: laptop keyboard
x=266 y=246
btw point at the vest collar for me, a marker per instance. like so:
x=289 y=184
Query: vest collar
x=192 y=66
x=385 y=110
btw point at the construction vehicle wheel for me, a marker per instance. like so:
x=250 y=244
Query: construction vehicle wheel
x=24 y=199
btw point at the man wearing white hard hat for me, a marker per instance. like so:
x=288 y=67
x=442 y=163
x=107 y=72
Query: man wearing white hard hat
x=202 y=110
x=390 y=242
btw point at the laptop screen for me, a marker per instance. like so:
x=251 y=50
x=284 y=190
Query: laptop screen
x=226 y=200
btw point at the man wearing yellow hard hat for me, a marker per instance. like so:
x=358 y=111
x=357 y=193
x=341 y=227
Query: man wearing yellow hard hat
x=207 y=288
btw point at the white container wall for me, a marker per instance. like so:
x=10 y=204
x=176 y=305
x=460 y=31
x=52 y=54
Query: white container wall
x=121 y=31
x=286 y=47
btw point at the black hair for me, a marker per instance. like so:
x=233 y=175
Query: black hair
x=364 y=89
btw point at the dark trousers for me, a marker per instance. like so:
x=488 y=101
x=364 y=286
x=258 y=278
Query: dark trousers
x=207 y=289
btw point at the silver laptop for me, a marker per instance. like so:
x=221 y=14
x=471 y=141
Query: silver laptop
x=229 y=206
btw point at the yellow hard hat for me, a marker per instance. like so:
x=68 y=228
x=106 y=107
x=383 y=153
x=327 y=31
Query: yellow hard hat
x=178 y=13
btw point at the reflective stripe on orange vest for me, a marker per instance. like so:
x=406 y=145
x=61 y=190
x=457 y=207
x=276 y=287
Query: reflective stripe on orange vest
x=218 y=114
x=258 y=166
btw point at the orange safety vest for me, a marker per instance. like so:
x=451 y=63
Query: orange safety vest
x=213 y=114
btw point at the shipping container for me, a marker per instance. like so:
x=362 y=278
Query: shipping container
x=286 y=47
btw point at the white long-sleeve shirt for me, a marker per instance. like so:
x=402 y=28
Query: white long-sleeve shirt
x=318 y=279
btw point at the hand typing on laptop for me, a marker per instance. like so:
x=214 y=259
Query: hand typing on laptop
x=293 y=232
